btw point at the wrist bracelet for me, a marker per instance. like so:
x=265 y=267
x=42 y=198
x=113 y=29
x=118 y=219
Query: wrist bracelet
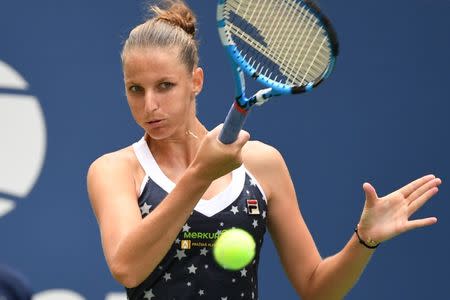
x=370 y=244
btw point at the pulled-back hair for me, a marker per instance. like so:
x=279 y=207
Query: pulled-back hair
x=173 y=25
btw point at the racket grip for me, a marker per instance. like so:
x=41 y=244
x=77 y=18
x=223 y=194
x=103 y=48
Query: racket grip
x=233 y=124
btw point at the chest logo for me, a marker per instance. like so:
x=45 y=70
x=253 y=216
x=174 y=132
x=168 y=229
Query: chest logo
x=252 y=207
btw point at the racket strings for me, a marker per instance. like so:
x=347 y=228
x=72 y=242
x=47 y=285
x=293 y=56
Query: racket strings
x=280 y=38
x=299 y=65
x=264 y=23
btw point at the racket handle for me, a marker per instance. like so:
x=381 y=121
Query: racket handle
x=233 y=124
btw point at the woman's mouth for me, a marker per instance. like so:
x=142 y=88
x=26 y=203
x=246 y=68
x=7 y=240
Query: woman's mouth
x=155 y=123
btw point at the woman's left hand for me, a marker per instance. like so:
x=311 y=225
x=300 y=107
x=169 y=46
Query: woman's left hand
x=386 y=217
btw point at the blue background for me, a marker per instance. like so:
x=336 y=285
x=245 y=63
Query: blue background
x=382 y=117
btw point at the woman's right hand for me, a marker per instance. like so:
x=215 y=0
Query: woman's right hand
x=215 y=159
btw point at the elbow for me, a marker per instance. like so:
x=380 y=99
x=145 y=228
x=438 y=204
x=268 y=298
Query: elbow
x=309 y=295
x=315 y=295
x=321 y=294
x=323 y=298
x=125 y=275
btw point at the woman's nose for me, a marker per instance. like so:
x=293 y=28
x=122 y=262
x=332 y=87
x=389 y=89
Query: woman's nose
x=151 y=102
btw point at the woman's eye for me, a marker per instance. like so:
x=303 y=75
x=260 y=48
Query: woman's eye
x=166 y=85
x=135 y=89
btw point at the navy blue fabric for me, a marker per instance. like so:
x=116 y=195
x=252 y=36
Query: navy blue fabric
x=193 y=273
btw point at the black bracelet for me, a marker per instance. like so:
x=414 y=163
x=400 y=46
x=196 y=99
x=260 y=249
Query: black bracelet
x=362 y=242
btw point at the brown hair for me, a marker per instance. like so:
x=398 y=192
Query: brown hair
x=173 y=25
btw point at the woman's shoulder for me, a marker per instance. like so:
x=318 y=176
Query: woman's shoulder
x=119 y=160
x=257 y=152
x=265 y=162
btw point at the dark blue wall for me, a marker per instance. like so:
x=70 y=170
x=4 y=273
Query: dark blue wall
x=382 y=117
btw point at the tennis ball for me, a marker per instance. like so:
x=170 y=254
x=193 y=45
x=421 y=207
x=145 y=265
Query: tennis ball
x=234 y=249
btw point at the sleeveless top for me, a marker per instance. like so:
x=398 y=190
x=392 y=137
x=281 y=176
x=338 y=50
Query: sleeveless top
x=188 y=270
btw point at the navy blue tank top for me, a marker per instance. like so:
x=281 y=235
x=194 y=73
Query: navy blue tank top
x=188 y=270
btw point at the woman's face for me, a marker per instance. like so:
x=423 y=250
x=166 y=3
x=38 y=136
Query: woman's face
x=161 y=91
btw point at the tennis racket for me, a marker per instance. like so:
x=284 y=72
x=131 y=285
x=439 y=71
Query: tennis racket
x=288 y=46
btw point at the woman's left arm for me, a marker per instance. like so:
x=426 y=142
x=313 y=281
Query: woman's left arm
x=382 y=219
x=332 y=277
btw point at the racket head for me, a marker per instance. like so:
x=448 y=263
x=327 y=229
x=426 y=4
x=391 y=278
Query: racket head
x=287 y=45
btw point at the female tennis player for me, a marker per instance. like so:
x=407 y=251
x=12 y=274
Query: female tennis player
x=162 y=202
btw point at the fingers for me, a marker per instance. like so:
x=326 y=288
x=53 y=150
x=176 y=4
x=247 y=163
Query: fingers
x=215 y=159
x=423 y=189
x=416 y=184
x=420 y=223
x=235 y=147
x=241 y=139
x=421 y=200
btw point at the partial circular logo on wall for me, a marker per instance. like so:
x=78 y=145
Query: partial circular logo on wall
x=23 y=138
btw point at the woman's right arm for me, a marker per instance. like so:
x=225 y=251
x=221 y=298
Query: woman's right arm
x=133 y=246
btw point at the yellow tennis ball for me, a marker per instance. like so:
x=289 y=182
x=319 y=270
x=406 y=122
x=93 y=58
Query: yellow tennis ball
x=234 y=249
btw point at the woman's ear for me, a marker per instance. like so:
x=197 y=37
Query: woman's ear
x=197 y=78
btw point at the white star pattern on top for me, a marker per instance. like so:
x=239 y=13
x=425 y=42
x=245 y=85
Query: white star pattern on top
x=186 y=281
x=149 y=294
x=167 y=276
x=186 y=227
x=203 y=251
x=145 y=209
x=192 y=269
x=255 y=223
x=243 y=273
x=180 y=254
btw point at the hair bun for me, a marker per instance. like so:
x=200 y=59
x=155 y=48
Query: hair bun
x=177 y=14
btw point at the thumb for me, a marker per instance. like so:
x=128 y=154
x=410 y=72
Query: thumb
x=216 y=131
x=242 y=138
x=371 y=194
